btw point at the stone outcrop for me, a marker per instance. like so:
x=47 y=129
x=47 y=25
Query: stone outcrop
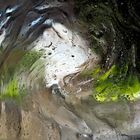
x=43 y=51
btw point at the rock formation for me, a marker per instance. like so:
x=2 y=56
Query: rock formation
x=48 y=66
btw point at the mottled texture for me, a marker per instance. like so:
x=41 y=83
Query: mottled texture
x=42 y=38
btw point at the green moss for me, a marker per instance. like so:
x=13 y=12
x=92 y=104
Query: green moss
x=103 y=22
x=29 y=59
x=91 y=73
x=12 y=90
x=116 y=84
x=10 y=85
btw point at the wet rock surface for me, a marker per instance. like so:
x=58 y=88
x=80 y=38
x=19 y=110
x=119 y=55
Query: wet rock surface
x=58 y=104
x=44 y=116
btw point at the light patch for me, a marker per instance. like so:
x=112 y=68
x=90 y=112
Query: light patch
x=36 y=21
x=10 y=10
x=63 y=56
x=2 y=37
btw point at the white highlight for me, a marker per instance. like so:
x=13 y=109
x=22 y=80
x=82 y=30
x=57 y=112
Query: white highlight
x=63 y=54
x=2 y=37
